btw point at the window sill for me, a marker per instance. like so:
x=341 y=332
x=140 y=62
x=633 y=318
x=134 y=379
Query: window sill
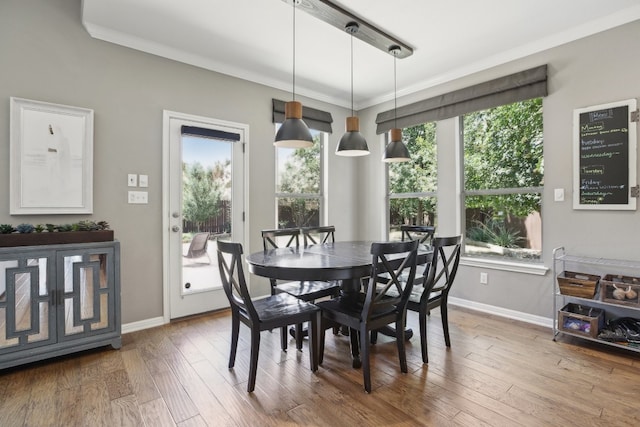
x=516 y=267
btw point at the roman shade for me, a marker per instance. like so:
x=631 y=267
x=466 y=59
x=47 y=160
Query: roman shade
x=209 y=133
x=515 y=87
x=315 y=119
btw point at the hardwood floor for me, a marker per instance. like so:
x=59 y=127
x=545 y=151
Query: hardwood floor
x=497 y=373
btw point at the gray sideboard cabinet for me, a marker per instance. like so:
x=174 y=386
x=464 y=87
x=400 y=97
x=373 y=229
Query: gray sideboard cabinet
x=58 y=299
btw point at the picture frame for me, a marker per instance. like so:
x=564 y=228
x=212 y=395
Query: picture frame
x=605 y=156
x=51 y=158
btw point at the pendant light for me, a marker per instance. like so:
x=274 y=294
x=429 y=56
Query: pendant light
x=293 y=133
x=352 y=142
x=395 y=151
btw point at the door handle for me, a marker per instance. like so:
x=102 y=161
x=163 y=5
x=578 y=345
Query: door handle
x=175 y=228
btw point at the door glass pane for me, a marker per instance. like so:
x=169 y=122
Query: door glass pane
x=206 y=209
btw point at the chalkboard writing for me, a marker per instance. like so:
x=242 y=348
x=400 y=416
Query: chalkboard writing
x=604 y=156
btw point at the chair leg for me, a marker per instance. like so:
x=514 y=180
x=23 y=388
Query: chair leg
x=235 y=330
x=313 y=340
x=283 y=338
x=374 y=337
x=253 y=364
x=321 y=333
x=364 y=350
x=402 y=355
x=355 y=348
x=445 y=322
x=422 y=320
x=299 y=329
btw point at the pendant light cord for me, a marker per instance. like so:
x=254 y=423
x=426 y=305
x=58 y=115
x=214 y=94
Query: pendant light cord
x=294 y=50
x=352 y=75
x=395 y=93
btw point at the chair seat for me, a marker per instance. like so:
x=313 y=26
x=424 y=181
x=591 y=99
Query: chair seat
x=282 y=305
x=338 y=307
x=309 y=290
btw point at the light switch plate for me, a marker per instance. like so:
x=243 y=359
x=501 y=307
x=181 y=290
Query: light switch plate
x=132 y=180
x=143 y=180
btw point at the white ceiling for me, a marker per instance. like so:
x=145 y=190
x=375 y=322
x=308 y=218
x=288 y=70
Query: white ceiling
x=252 y=39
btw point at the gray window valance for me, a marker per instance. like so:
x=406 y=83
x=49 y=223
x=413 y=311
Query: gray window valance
x=315 y=119
x=209 y=133
x=523 y=85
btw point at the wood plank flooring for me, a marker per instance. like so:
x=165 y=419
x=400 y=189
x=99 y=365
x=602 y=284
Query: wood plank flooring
x=497 y=373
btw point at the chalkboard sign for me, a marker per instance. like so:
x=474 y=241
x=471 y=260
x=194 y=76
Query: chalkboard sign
x=604 y=167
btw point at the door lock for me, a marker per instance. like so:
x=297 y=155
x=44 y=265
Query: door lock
x=175 y=228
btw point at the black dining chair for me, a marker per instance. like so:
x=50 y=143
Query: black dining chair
x=275 y=311
x=422 y=233
x=434 y=291
x=308 y=290
x=379 y=305
x=318 y=235
x=271 y=238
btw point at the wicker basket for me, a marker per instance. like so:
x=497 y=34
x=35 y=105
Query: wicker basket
x=611 y=282
x=578 y=284
x=581 y=319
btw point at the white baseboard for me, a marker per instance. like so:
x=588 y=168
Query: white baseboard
x=502 y=312
x=143 y=324
x=477 y=306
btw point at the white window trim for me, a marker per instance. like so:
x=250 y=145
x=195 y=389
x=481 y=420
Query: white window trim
x=495 y=264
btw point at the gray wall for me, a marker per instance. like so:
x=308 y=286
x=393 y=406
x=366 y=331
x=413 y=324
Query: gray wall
x=48 y=56
x=595 y=70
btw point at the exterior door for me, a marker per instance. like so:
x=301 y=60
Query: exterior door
x=203 y=186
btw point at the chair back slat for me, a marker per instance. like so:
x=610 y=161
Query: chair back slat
x=315 y=235
x=444 y=266
x=270 y=238
x=422 y=233
x=233 y=279
x=393 y=293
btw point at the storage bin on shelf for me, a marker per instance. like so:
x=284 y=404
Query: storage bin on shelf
x=618 y=289
x=581 y=319
x=575 y=284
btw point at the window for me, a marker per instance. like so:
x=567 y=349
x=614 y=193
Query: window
x=503 y=179
x=412 y=185
x=299 y=189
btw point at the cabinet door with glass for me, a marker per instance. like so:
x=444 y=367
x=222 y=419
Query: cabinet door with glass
x=86 y=294
x=27 y=300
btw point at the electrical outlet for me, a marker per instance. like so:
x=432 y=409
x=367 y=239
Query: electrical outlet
x=558 y=194
x=484 y=278
x=138 y=197
x=132 y=180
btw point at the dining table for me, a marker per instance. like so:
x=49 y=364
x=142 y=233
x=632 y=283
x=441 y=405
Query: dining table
x=346 y=261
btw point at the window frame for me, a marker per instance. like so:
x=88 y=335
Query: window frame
x=411 y=195
x=321 y=195
x=494 y=261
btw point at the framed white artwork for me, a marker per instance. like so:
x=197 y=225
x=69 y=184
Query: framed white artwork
x=51 y=158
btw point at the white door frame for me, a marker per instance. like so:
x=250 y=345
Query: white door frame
x=167 y=116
